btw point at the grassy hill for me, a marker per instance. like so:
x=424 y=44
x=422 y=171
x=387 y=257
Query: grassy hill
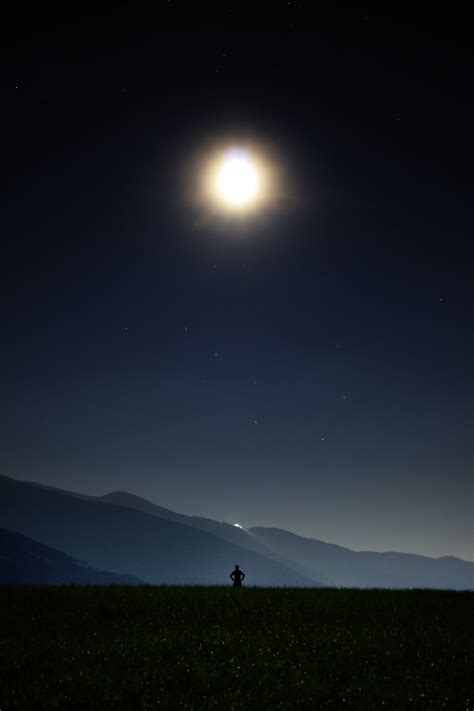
x=202 y=648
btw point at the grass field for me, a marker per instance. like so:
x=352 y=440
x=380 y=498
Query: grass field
x=204 y=648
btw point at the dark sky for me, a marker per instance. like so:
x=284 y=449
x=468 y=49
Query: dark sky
x=339 y=404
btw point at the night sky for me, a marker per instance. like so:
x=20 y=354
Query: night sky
x=307 y=367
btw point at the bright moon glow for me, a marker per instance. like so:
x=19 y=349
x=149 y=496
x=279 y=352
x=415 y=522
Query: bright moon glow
x=237 y=180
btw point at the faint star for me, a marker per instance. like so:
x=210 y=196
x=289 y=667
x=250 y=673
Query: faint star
x=255 y=422
x=322 y=439
x=254 y=382
x=343 y=397
x=185 y=328
x=215 y=355
x=214 y=266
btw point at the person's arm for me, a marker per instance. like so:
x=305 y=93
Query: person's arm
x=231 y=576
x=243 y=575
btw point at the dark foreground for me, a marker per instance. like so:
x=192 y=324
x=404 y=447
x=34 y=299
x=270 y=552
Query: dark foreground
x=201 y=648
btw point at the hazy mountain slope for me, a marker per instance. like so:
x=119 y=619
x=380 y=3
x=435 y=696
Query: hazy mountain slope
x=123 y=498
x=342 y=566
x=226 y=531
x=128 y=541
x=47 y=487
x=313 y=560
x=27 y=562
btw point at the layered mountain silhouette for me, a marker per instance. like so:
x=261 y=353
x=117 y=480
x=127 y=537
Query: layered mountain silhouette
x=26 y=562
x=228 y=532
x=128 y=541
x=348 y=568
x=126 y=534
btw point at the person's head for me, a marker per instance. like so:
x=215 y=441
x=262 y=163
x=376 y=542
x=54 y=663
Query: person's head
x=236 y=567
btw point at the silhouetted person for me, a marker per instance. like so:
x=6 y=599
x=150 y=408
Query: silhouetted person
x=237 y=576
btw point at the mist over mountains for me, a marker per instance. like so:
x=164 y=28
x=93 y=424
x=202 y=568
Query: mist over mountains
x=128 y=541
x=26 y=562
x=124 y=535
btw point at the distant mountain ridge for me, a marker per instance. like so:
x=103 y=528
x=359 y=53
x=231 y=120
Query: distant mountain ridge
x=27 y=562
x=348 y=568
x=228 y=532
x=128 y=541
x=125 y=533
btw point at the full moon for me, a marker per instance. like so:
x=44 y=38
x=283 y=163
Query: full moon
x=237 y=178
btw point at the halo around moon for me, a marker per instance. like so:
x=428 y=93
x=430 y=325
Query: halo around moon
x=237 y=180
x=232 y=182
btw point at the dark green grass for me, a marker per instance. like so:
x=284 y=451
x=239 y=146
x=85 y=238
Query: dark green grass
x=203 y=648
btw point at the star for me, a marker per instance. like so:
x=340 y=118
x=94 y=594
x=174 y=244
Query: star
x=215 y=355
x=255 y=422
